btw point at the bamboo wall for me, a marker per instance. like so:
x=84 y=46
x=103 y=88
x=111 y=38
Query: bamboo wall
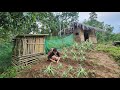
x=28 y=45
x=28 y=49
x=26 y=59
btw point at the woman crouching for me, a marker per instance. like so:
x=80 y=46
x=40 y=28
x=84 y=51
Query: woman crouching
x=54 y=55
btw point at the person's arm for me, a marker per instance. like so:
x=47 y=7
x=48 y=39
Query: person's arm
x=52 y=60
x=58 y=59
x=49 y=53
x=58 y=54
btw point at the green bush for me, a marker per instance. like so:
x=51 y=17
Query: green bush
x=5 y=53
x=12 y=71
x=5 y=56
x=9 y=73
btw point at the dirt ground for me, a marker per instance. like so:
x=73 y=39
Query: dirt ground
x=102 y=66
x=98 y=65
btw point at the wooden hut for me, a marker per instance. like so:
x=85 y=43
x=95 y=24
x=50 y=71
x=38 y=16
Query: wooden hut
x=28 y=48
x=82 y=32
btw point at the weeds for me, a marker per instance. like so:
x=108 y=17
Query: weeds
x=82 y=58
x=64 y=56
x=60 y=66
x=70 y=68
x=49 y=70
x=78 y=50
x=112 y=50
x=81 y=72
x=12 y=71
x=65 y=74
x=9 y=73
x=64 y=53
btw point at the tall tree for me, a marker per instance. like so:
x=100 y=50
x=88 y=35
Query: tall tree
x=93 y=16
x=59 y=20
x=14 y=23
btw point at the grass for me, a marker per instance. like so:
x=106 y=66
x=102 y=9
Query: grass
x=12 y=71
x=60 y=66
x=70 y=68
x=81 y=72
x=112 y=50
x=65 y=74
x=9 y=73
x=49 y=70
x=6 y=68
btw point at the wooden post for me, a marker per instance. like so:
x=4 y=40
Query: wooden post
x=28 y=46
x=44 y=45
x=82 y=35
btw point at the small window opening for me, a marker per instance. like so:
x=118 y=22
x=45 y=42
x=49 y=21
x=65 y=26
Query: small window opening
x=76 y=33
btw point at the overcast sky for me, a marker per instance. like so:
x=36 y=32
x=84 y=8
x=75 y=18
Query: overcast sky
x=112 y=18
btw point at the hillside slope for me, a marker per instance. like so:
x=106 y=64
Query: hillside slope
x=97 y=65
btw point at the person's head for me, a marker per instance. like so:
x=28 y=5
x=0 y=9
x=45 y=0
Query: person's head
x=54 y=50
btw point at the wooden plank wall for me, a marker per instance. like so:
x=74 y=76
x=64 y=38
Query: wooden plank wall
x=28 y=45
x=28 y=50
x=33 y=45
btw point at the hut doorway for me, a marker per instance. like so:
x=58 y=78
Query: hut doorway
x=86 y=35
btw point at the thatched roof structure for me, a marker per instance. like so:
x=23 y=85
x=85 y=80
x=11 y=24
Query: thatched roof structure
x=85 y=27
x=75 y=25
